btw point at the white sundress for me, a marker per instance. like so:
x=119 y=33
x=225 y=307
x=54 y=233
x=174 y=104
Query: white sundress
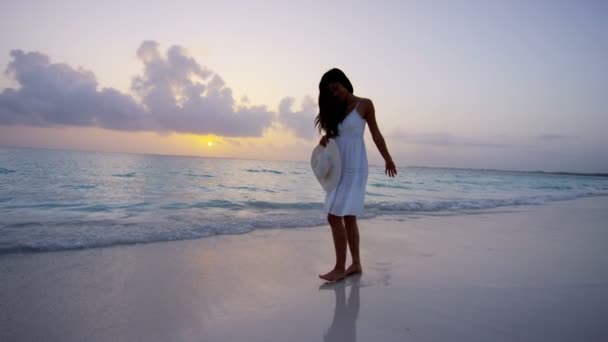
x=348 y=197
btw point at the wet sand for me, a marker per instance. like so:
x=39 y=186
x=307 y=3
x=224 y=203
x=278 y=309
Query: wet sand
x=534 y=273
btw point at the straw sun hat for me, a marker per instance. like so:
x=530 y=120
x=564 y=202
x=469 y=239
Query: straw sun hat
x=326 y=165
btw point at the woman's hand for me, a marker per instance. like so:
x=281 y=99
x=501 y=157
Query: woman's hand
x=391 y=169
x=323 y=141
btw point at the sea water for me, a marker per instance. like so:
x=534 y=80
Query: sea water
x=60 y=199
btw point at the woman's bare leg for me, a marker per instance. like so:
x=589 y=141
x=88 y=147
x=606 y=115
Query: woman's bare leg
x=339 y=235
x=352 y=236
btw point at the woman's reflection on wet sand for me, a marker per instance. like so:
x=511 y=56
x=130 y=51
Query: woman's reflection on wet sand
x=343 y=326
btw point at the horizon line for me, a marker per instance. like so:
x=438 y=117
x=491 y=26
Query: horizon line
x=564 y=173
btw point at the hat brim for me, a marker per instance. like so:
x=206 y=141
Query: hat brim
x=331 y=151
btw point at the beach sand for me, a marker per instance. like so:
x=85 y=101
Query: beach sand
x=534 y=273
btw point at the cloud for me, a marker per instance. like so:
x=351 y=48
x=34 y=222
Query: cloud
x=553 y=137
x=450 y=140
x=173 y=94
x=57 y=94
x=302 y=121
x=500 y=141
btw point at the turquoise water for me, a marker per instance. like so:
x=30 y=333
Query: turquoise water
x=57 y=200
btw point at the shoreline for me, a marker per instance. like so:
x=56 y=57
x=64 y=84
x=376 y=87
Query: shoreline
x=382 y=216
x=524 y=273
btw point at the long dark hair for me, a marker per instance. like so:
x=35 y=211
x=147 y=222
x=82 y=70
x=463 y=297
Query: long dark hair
x=331 y=109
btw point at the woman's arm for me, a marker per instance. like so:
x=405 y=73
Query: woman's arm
x=370 y=117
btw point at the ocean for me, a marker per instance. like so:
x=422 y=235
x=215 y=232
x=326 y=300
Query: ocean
x=62 y=200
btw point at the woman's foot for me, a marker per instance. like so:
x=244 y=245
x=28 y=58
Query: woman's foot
x=334 y=275
x=353 y=269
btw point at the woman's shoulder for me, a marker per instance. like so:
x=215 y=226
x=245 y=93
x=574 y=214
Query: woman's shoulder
x=364 y=101
x=365 y=106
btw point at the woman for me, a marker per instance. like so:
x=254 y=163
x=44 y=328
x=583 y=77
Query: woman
x=342 y=116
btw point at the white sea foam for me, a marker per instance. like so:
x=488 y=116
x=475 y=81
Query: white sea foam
x=58 y=200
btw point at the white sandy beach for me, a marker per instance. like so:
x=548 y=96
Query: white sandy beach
x=536 y=273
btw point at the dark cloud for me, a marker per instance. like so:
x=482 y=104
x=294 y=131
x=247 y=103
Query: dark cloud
x=173 y=94
x=302 y=121
x=57 y=94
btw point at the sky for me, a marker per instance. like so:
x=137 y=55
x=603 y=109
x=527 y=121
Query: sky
x=517 y=85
